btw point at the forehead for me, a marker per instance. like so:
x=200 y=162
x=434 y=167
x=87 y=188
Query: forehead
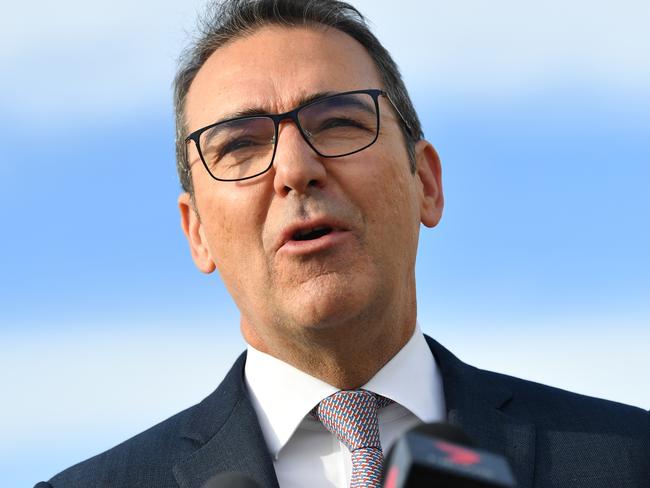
x=275 y=67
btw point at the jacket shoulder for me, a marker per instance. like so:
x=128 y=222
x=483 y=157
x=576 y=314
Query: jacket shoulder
x=581 y=441
x=552 y=437
x=554 y=408
x=148 y=458
x=142 y=461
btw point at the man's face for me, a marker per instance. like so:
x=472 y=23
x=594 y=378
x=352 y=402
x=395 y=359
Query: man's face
x=370 y=202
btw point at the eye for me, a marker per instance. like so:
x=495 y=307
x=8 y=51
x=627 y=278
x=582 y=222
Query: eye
x=341 y=122
x=240 y=144
x=236 y=144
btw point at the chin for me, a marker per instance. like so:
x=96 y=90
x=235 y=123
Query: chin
x=329 y=301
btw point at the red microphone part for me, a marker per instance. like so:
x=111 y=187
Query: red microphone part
x=391 y=477
x=442 y=455
x=458 y=454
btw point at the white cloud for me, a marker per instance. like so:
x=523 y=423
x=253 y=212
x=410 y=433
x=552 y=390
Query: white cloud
x=123 y=372
x=585 y=356
x=74 y=59
x=83 y=389
x=504 y=43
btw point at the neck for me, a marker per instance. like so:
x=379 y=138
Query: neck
x=346 y=356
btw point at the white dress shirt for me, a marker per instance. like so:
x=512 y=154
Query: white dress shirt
x=304 y=453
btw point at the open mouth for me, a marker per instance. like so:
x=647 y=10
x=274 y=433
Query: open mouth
x=311 y=234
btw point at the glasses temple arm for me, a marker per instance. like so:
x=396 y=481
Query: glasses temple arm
x=406 y=124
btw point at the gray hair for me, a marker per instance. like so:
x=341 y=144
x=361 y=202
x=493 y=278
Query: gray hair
x=231 y=19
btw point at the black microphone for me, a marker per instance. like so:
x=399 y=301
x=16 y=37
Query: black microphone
x=442 y=455
x=230 y=480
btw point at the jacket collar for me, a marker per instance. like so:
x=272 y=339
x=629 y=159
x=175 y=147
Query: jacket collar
x=476 y=402
x=225 y=427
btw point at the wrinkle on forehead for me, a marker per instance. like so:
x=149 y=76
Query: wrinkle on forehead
x=253 y=109
x=274 y=68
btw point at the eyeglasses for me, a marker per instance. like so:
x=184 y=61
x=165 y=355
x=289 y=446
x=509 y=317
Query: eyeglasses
x=333 y=126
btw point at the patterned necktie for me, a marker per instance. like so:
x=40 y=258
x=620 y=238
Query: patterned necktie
x=352 y=417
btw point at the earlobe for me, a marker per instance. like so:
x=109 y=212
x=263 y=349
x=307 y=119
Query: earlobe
x=193 y=230
x=430 y=173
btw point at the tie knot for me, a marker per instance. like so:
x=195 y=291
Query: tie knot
x=351 y=415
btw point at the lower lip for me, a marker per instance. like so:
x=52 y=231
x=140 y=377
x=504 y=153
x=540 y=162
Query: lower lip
x=328 y=241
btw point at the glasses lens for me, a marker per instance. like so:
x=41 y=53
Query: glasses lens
x=238 y=148
x=340 y=125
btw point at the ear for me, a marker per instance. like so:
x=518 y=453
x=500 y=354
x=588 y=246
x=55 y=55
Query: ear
x=430 y=173
x=193 y=230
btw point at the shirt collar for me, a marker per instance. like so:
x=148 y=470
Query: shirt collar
x=412 y=379
x=283 y=395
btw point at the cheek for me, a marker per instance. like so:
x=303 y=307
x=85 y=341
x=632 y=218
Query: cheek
x=231 y=217
x=233 y=234
x=391 y=206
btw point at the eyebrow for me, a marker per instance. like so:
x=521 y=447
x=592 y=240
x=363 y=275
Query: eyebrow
x=252 y=111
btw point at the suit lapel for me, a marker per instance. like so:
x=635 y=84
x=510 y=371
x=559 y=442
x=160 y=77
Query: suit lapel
x=229 y=438
x=476 y=403
x=226 y=428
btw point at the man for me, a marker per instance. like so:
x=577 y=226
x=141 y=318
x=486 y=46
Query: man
x=306 y=179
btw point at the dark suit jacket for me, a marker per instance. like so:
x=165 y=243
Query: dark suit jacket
x=551 y=437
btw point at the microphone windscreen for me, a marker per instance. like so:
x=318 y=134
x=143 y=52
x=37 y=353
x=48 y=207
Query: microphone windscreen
x=443 y=455
x=438 y=430
x=230 y=480
x=445 y=432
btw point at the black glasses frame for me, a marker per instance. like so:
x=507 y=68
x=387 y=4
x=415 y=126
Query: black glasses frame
x=293 y=115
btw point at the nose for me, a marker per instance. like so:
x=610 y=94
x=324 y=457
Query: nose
x=297 y=167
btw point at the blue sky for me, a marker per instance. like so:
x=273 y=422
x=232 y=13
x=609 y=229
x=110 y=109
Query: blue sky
x=540 y=267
